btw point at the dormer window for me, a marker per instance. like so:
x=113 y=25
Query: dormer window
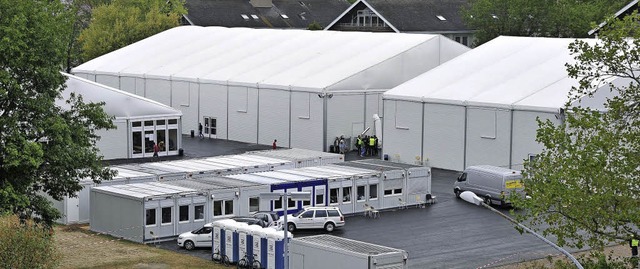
x=254 y=16
x=440 y=17
x=245 y=17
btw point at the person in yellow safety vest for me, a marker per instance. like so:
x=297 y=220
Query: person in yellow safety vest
x=633 y=243
x=372 y=144
x=359 y=143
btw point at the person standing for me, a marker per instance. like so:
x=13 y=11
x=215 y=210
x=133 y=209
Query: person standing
x=359 y=143
x=633 y=243
x=342 y=146
x=200 y=130
x=372 y=143
x=156 y=149
x=274 y=146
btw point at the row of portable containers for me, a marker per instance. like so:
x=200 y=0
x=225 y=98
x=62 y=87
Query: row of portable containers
x=163 y=209
x=235 y=241
x=76 y=209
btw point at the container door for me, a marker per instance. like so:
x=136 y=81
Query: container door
x=73 y=210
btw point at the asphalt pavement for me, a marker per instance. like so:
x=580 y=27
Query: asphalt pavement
x=448 y=234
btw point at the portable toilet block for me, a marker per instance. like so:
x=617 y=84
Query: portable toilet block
x=230 y=240
x=275 y=248
x=253 y=245
x=218 y=240
x=242 y=232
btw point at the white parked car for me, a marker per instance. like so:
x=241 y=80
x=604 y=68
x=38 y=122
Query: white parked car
x=327 y=218
x=196 y=238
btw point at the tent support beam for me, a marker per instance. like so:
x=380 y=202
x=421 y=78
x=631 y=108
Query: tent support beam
x=511 y=142
x=422 y=137
x=464 y=148
x=324 y=121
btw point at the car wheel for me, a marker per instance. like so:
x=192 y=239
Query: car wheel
x=487 y=200
x=329 y=227
x=456 y=192
x=189 y=245
x=291 y=227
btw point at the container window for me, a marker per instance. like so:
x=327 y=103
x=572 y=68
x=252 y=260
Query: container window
x=361 y=196
x=151 y=216
x=397 y=191
x=346 y=194
x=184 y=213
x=198 y=212
x=319 y=197
x=136 y=124
x=160 y=122
x=388 y=192
x=254 y=204
x=166 y=215
x=228 y=207
x=148 y=123
x=306 y=202
x=292 y=203
x=217 y=208
x=277 y=204
x=173 y=121
x=333 y=196
x=373 y=191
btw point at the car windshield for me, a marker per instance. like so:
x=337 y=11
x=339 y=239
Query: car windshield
x=298 y=213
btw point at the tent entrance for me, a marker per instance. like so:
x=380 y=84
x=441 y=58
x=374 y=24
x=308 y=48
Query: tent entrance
x=210 y=127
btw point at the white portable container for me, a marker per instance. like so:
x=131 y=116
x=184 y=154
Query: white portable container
x=327 y=251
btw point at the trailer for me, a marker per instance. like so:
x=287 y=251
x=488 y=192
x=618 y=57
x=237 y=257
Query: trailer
x=327 y=251
x=301 y=157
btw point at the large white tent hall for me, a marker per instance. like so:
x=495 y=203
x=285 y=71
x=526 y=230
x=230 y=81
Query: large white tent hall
x=481 y=107
x=303 y=88
x=139 y=121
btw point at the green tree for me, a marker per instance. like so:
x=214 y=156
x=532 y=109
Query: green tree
x=123 y=22
x=80 y=11
x=44 y=149
x=314 y=26
x=549 y=18
x=585 y=184
x=25 y=244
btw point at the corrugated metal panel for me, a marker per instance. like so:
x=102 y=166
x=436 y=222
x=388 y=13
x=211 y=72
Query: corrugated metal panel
x=256 y=179
x=274 y=117
x=286 y=176
x=349 y=245
x=243 y=114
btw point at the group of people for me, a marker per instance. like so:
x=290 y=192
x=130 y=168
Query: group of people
x=367 y=145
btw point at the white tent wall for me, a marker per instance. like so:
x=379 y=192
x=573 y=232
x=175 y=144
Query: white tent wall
x=524 y=135
x=373 y=105
x=443 y=136
x=113 y=143
x=488 y=136
x=213 y=103
x=402 y=124
x=306 y=121
x=184 y=96
x=243 y=114
x=274 y=110
x=111 y=80
x=158 y=90
x=345 y=117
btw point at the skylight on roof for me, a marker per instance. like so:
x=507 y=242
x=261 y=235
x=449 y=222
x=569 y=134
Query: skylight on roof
x=244 y=16
x=440 y=17
x=254 y=16
x=284 y=16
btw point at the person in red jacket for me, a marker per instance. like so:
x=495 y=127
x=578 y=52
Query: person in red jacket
x=274 y=144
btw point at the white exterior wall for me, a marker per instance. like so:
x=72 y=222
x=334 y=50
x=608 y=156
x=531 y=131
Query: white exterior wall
x=273 y=122
x=243 y=114
x=213 y=103
x=306 y=121
x=113 y=143
x=402 y=130
x=345 y=116
x=488 y=136
x=128 y=84
x=158 y=90
x=185 y=98
x=373 y=106
x=108 y=80
x=444 y=136
x=524 y=135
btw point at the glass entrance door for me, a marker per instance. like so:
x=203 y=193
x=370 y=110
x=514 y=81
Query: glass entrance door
x=210 y=127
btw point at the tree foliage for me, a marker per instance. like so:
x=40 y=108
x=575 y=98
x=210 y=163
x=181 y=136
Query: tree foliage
x=25 y=244
x=314 y=26
x=44 y=149
x=585 y=184
x=549 y=18
x=123 y=22
x=80 y=11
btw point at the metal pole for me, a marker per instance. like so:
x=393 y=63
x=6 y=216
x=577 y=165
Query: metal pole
x=566 y=253
x=286 y=229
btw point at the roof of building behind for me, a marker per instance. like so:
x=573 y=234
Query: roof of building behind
x=282 y=13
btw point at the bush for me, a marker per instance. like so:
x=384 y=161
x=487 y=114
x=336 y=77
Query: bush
x=25 y=244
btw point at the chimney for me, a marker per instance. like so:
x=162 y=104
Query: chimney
x=261 y=3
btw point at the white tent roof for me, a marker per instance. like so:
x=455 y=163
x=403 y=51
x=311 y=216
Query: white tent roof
x=525 y=73
x=269 y=58
x=120 y=104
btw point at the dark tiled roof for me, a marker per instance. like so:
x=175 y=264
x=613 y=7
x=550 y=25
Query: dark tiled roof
x=421 y=15
x=300 y=13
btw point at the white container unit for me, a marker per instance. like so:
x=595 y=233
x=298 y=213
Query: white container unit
x=162 y=172
x=201 y=210
x=316 y=186
x=417 y=178
x=327 y=251
x=301 y=157
x=225 y=169
x=77 y=209
x=190 y=167
x=391 y=187
x=276 y=164
x=247 y=166
x=255 y=203
x=366 y=186
x=236 y=196
x=139 y=212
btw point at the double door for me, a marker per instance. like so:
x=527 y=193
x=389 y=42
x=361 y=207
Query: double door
x=210 y=128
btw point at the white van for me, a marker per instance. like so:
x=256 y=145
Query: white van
x=492 y=183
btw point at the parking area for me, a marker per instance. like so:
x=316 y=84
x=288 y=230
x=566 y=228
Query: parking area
x=449 y=234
